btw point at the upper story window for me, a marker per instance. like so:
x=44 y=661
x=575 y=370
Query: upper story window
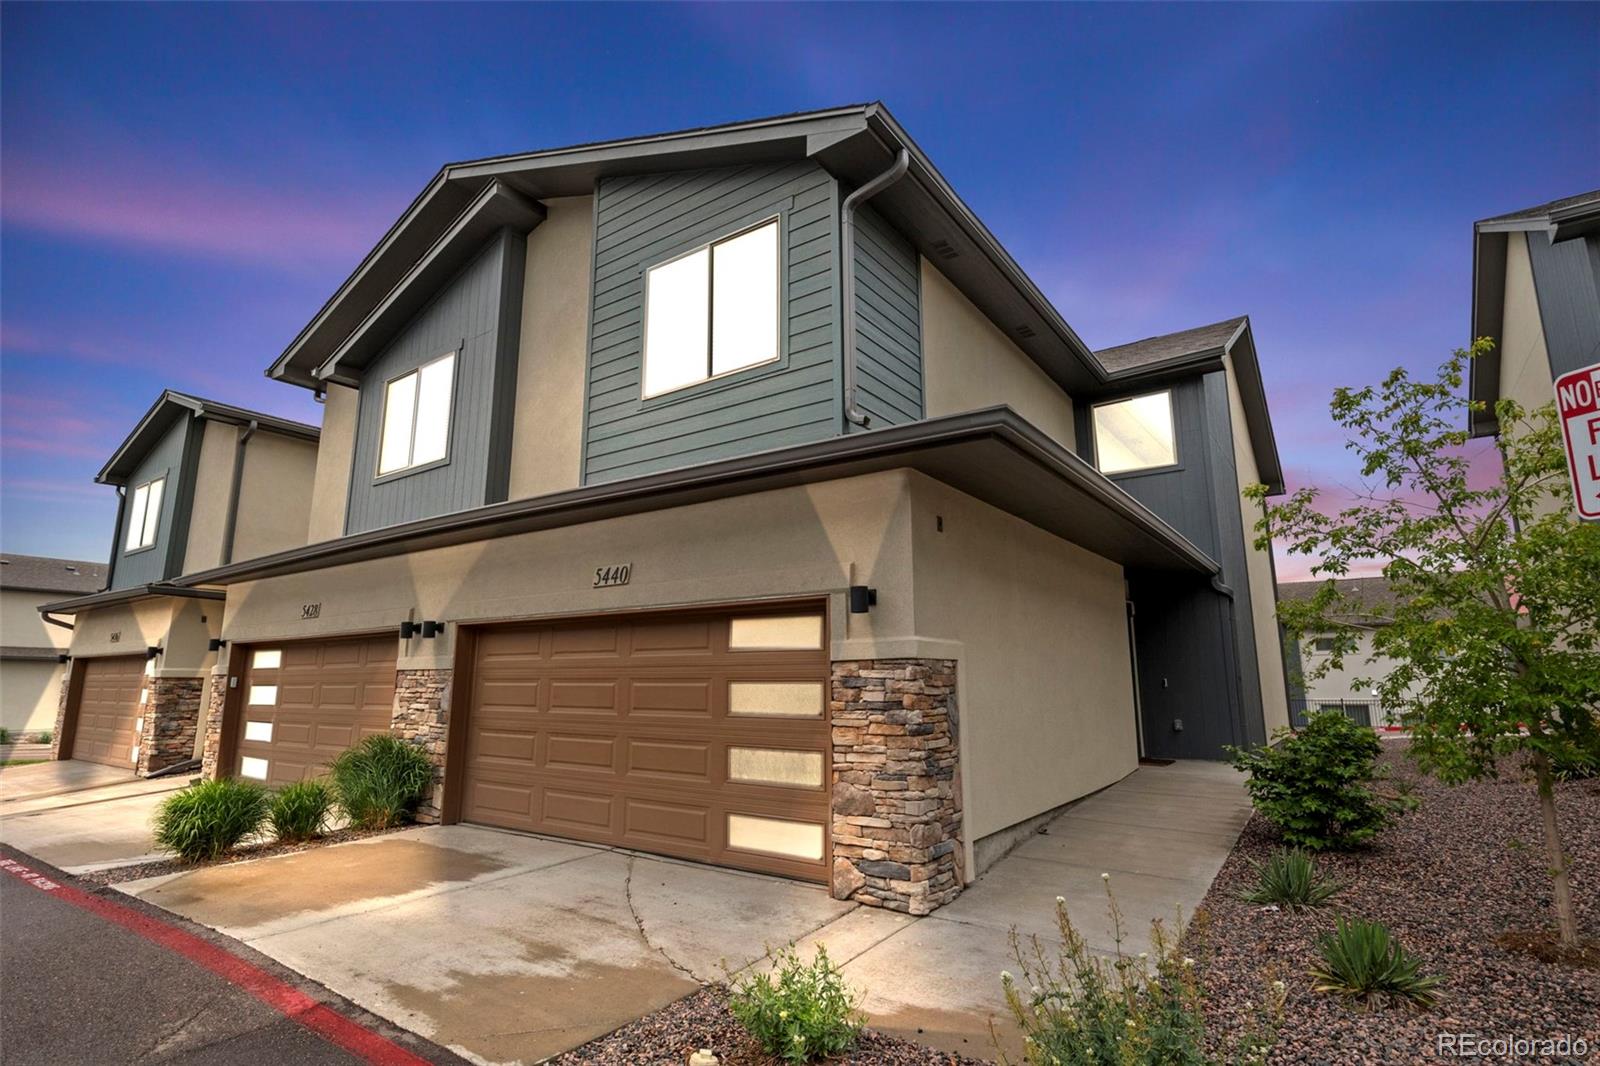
x=712 y=311
x=1324 y=645
x=416 y=417
x=1135 y=434
x=144 y=514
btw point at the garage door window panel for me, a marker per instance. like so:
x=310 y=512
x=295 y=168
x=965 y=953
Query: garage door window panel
x=775 y=836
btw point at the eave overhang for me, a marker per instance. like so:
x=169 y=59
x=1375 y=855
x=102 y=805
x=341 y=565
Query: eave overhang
x=131 y=594
x=992 y=454
x=172 y=406
x=853 y=143
x=1488 y=320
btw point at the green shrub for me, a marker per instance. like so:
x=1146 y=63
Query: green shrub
x=46 y=736
x=1290 y=879
x=802 y=1011
x=206 y=819
x=1362 y=962
x=300 y=811
x=1076 y=1007
x=5 y=735
x=380 y=781
x=1316 y=785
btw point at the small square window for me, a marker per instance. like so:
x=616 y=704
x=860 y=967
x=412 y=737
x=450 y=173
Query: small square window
x=416 y=417
x=1324 y=644
x=1135 y=434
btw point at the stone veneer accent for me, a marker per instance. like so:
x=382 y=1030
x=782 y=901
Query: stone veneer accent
x=896 y=784
x=214 y=704
x=421 y=714
x=61 y=710
x=171 y=718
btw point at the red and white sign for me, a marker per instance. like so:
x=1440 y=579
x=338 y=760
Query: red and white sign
x=1578 y=408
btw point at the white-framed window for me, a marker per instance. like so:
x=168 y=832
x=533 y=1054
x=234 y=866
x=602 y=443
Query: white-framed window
x=712 y=311
x=144 y=514
x=416 y=416
x=1135 y=434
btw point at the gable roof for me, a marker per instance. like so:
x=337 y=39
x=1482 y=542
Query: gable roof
x=1371 y=596
x=1194 y=351
x=169 y=408
x=855 y=143
x=1563 y=219
x=39 y=573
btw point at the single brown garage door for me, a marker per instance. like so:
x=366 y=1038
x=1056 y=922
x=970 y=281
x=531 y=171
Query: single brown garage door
x=704 y=737
x=108 y=711
x=306 y=702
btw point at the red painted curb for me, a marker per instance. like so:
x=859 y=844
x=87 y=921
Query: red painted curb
x=277 y=994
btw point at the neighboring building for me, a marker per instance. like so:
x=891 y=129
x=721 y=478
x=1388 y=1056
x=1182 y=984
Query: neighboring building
x=1536 y=294
x=1339 y=689
x=31 y=649
x=200 y=484
x=730 y=494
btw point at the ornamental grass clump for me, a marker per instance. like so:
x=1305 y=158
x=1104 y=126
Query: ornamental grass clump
x=380 y=781
x=800 y=1012
x=1363 y=963
x=1290 y=879
x=1078 y=1008
x=205 y=820
x=300 y=811
x=1317 y=785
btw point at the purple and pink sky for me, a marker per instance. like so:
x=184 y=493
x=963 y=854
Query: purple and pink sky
x=182 y=186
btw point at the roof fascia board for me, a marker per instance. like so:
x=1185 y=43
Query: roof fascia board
x=1257 y=413
x=495 y=207
x=1579 y=220
x=161 y=414
x=159 y=411
x=742 y=474
x=156 y=590
x=1488 y=320
x=1514 y=225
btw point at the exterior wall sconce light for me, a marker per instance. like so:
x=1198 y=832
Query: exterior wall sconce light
x=215 y=644
x=151 y=653
x=63 y=658
x=432 y=629
x=862 y=599
x=409 y=629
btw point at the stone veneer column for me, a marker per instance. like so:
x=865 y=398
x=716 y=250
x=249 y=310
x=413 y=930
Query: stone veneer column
x=421 y=713
x=896 y=786
x=61 y=710
x=171 y=718
x=213 y=726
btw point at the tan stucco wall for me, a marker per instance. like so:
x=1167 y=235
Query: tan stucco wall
x=1524 y=360
x=208 y=521
x=547 y=434
x=274 y=495
x=1342 y=684
x=180 y=625
x=789 y=542
x=30 y=693
x=21 y=625
x=1040 y=632
x=1263 y=587
x=968 y=364
x=330 y=487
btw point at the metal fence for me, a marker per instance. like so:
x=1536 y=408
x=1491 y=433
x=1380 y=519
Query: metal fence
x=1370 y=713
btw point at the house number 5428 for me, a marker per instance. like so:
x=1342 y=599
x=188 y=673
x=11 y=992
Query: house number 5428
x=610 y=576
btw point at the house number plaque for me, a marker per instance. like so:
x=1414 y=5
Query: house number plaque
x=606 y=577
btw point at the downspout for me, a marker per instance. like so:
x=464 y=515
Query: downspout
x=118 y=537
x=233 y=490
x=847 y=275
x=53 y=620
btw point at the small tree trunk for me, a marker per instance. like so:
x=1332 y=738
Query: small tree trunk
x=1566 y=920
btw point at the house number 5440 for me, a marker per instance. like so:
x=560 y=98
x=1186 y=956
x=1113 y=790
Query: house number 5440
x=610 y=576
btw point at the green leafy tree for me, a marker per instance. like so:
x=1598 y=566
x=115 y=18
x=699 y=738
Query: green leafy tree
x=1495 y=587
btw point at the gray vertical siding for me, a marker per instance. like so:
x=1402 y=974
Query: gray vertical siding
x=166 y=459
x=888 y=323
x=1569 y=304
x=643 y=219
x=477 y=315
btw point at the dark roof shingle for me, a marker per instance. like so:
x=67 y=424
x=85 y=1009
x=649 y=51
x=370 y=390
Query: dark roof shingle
x=1370 y=596
x=1542 y=210
x=1153 y=350
x=35 y=573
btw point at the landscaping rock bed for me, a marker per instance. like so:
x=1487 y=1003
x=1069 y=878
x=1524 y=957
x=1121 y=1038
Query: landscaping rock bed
x=157 y=867
x=670 y=1035
x=1450 y=879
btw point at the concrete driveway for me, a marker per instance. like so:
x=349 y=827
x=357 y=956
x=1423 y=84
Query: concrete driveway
x=511 y=948
x=80 y=816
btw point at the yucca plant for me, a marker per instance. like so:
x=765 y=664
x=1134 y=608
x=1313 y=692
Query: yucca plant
x=1362 y=962
x=300 y=811
x=380 y=781
x=1289 y=878
x=206 y=819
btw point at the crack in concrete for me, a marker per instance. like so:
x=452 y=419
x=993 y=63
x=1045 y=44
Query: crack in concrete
x=627 y=891
x=175 y=1032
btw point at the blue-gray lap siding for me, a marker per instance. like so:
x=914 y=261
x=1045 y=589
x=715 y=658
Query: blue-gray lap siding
x=1197 y=659
x=164 y=559
x=641 y=220
x=477 y=315
x=1566 y=279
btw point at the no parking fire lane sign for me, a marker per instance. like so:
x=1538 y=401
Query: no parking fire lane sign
x=1578 y=408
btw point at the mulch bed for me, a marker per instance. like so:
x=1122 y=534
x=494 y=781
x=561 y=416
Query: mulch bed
x=1460 y=881
x=158 y=867
x=670 y=1035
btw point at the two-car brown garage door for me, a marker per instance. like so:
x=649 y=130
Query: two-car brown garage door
x=106 y=730
x=704 y=736
x=305 y=702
